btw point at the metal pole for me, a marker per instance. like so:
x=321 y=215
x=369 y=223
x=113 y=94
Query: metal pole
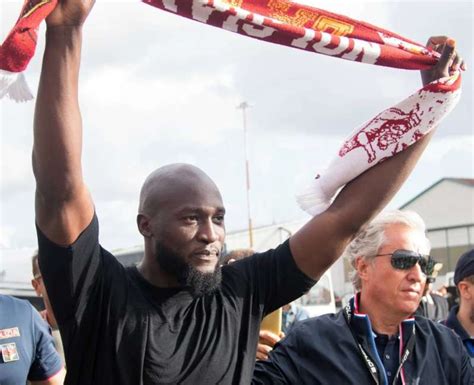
x=243 y=106
x=448 y=251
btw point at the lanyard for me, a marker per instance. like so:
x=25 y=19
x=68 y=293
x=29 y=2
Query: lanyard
x=368 y=361
x=406 y=353
x=373 y=370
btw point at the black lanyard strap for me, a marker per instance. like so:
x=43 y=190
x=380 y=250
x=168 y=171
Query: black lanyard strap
x=373 y=370
x=406 y=353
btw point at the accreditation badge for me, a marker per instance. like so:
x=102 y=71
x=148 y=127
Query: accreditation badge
x=9 y=352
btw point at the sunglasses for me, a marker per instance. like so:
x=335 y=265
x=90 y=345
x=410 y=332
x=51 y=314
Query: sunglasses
x=406 y=259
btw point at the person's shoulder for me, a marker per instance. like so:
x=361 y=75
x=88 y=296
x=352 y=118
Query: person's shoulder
x=15 y=304
x=242 y=265
x=110 y=257
x=427 y=324
x=255 y=263
x=312 y=334
x=283 y=249
x=238 y=274
x=322 y=324
x=18 y=311
x=437 y=330
x=436 y=339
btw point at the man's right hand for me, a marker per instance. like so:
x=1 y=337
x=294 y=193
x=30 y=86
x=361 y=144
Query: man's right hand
x=69 y=13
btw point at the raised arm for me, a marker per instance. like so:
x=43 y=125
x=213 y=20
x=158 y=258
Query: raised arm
x=323 y=239
x=63 y=205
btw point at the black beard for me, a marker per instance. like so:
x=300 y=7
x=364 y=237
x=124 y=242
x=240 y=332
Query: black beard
x=197 y=282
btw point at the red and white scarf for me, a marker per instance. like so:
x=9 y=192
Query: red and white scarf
x=312 y=29
x=19 y=47
x=302 y=27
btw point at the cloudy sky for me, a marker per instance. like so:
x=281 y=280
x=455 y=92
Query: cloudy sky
x=156 y=88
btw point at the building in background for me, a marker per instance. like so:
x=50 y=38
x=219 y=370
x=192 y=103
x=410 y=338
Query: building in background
x=447 y=208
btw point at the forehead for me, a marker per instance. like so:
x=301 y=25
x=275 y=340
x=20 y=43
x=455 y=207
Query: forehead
x=178 y=186
x=401 y=236
x=190 y=198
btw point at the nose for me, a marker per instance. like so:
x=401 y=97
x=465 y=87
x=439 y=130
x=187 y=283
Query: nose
x=208 y=231
x=415 y=274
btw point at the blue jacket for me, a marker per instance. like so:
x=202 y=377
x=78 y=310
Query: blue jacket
x=323 y=350
x=453 y=323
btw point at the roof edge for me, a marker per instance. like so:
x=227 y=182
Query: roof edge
x=464 y=181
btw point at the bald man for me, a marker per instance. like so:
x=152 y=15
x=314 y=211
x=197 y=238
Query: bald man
x=176 y=318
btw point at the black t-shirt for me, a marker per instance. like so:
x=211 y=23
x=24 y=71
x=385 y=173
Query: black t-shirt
x=119 y=329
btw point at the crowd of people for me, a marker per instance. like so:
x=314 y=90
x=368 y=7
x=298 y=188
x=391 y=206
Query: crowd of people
x=179 y=317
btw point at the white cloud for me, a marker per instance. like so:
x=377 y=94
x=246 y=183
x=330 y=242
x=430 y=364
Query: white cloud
x=152 y=105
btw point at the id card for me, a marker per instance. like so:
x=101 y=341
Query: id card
x=9 y=352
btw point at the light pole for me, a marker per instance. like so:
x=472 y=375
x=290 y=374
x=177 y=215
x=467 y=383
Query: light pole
x=243 y=106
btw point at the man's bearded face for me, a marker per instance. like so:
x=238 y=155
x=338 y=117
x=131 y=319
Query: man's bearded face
x=199 y=283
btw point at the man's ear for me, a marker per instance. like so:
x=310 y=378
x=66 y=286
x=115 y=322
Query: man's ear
x=465 y=290
x=362 y=266
x=36 y=285
x=144 y=225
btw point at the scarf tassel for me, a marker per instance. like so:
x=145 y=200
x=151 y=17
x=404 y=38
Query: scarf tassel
x=14 y=86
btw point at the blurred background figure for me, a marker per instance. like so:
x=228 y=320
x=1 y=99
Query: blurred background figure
x=237 y=255
x=461 y=317
x=446 y=292
x=292 y=313
x=433 y=305
x=47 y=314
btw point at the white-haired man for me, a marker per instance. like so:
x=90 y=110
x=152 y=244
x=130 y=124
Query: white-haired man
x=375 y=339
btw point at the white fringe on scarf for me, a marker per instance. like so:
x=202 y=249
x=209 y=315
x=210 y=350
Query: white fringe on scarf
x=14 y=85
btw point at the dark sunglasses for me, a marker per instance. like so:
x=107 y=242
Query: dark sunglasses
x=406 y=259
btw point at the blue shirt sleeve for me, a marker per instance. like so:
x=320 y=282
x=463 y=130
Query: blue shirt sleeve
x=46 y=361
